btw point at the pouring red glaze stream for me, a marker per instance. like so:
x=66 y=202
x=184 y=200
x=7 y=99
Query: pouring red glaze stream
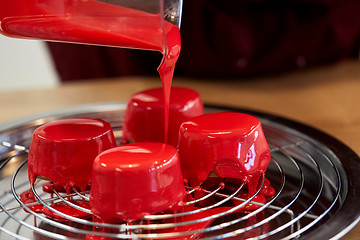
x=97 y=23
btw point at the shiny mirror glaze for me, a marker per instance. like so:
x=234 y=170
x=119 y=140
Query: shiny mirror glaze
x=64 y=150
x=144 y=117
x=231 y=144
x=136 y=179
x=98 y=23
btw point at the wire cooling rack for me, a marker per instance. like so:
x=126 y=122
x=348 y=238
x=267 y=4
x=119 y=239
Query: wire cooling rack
x=313 y=174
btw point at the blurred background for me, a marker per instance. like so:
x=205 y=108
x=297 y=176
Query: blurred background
x=220 y=39
x=26 y=64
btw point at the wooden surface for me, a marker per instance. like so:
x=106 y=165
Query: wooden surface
x=327 y=98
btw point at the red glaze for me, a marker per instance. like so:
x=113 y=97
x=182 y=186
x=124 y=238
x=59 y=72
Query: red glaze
x=66 y=209
x=87 y=22
x=28 y=197
x=133 y=180
x=232 y=145
x=267 y=190
x=95 y=22
x=144 y=118
x=49 y=187
x=64 y=150
x=166 y=71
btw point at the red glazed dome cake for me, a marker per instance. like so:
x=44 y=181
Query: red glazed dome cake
x=144 y=117
x=232 y=145
x=64 y=150
x=136 y=179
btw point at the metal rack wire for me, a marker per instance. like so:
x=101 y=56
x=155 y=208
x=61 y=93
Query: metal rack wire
x=311 y=182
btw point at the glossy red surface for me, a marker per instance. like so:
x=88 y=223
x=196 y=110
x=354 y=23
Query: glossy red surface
x=95 y=22
x=133 y=180
x=87 y=22
x=28 y=197
x=232 y=145
x=49 y=187
x=266 y=192
x=68 y=210
x=144 y=117
x=64 y=150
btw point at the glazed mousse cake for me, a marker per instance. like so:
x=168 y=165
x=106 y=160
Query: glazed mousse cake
x=64 y=150
x=144 y=117
x=232 y=145
x=133 y=180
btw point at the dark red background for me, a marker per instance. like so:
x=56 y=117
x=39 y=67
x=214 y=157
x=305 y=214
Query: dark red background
x=233 y=38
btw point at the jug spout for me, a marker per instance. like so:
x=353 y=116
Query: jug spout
x=141 y=24
x=173 y=11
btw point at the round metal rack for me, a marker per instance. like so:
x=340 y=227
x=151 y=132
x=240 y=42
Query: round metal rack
x=313 y=174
